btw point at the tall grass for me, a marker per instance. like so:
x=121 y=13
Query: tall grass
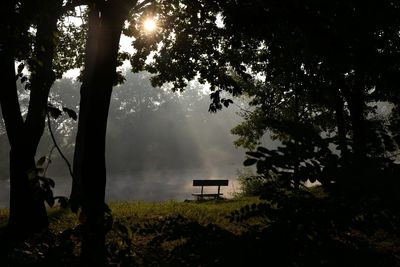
x=204 y=212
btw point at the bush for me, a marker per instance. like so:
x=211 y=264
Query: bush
x=250 y=183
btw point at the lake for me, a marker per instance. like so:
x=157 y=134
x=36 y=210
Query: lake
x=148 y=185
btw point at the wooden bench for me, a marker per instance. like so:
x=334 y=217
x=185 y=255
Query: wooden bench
x=202 y=183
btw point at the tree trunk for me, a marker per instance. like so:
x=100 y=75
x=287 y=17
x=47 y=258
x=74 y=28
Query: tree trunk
x=27 y=209
x=42 y=76
x=27 y=212
x=105 y=26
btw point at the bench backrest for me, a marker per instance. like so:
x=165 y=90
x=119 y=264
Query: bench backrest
x=210 y=182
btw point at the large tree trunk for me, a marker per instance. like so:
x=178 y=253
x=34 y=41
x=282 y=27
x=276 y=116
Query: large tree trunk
x=105 y=26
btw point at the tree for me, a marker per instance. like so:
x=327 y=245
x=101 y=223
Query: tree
x=105 y=22
x=27 y=210
x=328 y=56
x=31 y=34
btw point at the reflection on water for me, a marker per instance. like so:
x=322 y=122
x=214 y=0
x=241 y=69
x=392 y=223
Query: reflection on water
x=147 y=185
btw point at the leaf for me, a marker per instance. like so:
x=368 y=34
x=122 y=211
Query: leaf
x=63 y=201
x=21 y=67
x=32 y=173
x=71 y=113
x=263 y=150
x=261 y=166
x=226 y=102
x=51 y=182
x=39 y=171
x=27 y=86
x=123 y=230
x=41 y=161
x=48 y=182
x=249 y=162
x=50 y=200
x=54 y=112
x=17 y=76
x=255 y=154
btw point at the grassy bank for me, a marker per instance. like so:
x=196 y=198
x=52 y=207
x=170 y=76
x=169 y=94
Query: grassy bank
x=192 y=233
x=139 y=212
x=137 y=237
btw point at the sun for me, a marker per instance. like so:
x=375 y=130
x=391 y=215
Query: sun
x=149 y=25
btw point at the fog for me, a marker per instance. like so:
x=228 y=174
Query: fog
x=158 y=141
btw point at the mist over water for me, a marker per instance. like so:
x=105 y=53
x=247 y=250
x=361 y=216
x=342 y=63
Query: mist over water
x=165 y=185
x=147 y=185
x=157 y=143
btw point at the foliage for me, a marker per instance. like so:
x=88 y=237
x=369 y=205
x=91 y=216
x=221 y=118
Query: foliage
x=250 y=184
x=45 y=185
x=70 y=52
x=305 y=63
x=302 y=229
x=56 y=112
x=188 y=34
x=301 y=159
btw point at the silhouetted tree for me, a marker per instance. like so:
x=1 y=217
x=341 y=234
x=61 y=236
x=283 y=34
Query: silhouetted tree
x=328 y=56
x=27 y=210
x=105 y=22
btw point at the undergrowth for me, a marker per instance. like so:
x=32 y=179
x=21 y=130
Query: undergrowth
x=230 y=232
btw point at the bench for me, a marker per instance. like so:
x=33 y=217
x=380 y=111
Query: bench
x=202 y=183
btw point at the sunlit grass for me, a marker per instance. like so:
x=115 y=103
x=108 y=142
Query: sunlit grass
x=61 y=219
x=144 y=211
x=202 y=212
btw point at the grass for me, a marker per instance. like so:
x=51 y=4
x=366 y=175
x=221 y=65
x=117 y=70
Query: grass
x=143 y=211
x=134 y=212
x=194 y=233
x=3 y=217
x=203 y=212
x=140 y=214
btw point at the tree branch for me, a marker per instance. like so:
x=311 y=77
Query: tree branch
x=56 y=145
